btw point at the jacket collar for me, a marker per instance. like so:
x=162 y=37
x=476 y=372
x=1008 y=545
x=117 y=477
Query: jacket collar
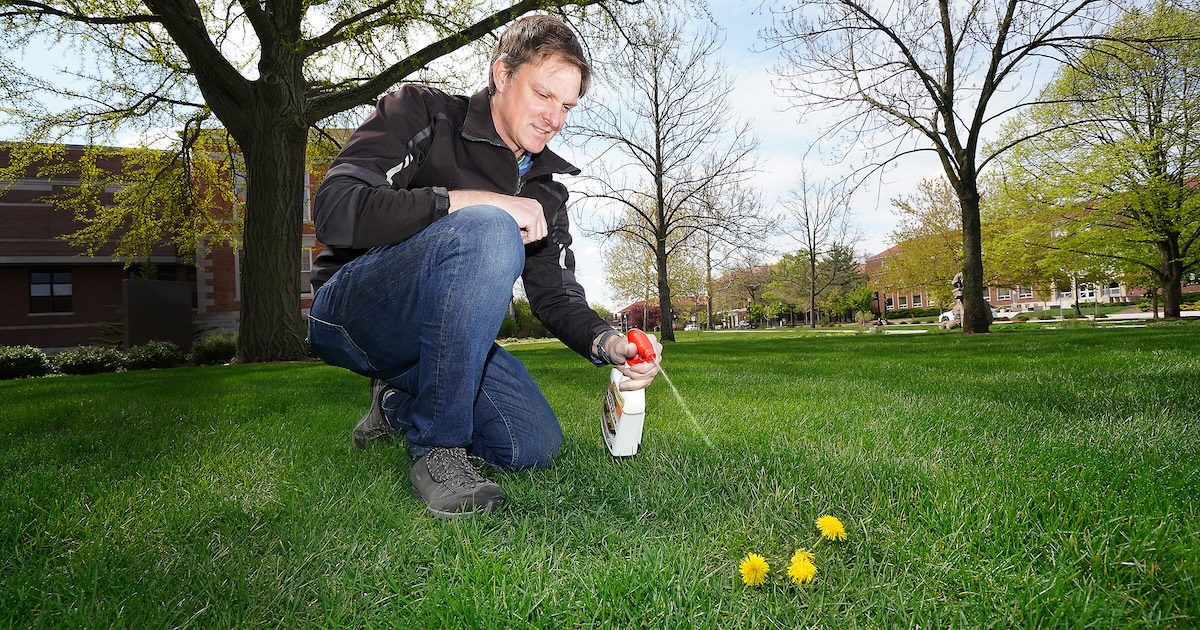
x=479 y=126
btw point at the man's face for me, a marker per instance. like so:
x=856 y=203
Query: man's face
x=531 y=106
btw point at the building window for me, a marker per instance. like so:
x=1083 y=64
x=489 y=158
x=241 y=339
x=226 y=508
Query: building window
x=903 y=301
x=887 y=304
x=305 y=270
x=50 y=291
x=306 y=209
x=1087 y=291
x=917 y=301
x=1003 y=294
x=1024 y=293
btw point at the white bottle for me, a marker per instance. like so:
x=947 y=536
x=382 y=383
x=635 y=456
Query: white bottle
x=622 y=417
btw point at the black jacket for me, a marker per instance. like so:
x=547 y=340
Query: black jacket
x=391 y=178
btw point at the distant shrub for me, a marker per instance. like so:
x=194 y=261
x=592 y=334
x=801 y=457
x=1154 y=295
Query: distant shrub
x=1021 y=318
x=153 y=354
x=508 y=328
x=23 y=361
x=214 y=351
x=902 y=313
x=89 y=360
x=528 y=326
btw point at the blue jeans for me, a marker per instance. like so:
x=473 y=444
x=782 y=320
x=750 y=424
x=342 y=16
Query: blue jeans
x=423 y=315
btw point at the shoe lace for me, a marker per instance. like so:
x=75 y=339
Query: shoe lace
x=451 y=466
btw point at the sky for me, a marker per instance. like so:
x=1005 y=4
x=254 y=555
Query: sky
x=784 y=139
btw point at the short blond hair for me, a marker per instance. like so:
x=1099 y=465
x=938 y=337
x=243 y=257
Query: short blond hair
x=532 y=39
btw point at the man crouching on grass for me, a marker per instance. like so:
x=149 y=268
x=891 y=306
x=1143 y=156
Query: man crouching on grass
x=431 y=211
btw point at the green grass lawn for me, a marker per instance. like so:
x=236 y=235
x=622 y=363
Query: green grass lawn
x=1035 y=478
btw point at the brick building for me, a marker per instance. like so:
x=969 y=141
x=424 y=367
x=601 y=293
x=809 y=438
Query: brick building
x=53 y=297
x=1014 y=299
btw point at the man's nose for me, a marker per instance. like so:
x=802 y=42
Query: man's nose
x=556 y=118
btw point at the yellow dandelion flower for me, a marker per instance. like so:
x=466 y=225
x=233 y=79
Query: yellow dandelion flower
x=831 y=528
x=802 y=570
x=754 y=569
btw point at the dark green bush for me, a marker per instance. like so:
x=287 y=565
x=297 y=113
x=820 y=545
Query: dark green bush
x=153 y=354
x=903 y=313
x=528 y=326
x=23 y=361
x=214 y=351
x=508 y=328
x=89 y=360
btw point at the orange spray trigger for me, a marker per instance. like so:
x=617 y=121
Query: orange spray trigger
x=644 y=347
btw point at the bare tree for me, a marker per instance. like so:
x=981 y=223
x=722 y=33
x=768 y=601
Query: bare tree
x=670 y=126
x=819 y=213
x=267 y=70
x=926 y=75
x=716 y=251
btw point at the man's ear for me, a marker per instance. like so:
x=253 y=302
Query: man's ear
x=501 y=74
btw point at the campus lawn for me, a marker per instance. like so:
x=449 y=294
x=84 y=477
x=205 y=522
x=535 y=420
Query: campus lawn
x=1031 y=478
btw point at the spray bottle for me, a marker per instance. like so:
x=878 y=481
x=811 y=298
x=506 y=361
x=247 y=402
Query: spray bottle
x=624 y=411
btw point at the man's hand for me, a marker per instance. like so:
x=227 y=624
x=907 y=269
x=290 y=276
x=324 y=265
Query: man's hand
x=641 y=374
x=528 y=213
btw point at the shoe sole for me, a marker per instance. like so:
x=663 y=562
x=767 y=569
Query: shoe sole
x=489 y=506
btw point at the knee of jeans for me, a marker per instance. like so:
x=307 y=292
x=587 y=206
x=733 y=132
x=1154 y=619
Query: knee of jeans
x=490 y=230
x=541 y=455
x=532 y=452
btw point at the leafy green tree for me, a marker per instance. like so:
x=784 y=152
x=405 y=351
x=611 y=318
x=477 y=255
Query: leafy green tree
x=1113 y=170
x=629 y=269
x=745 y=286
x=928 y=249
x=268 y=71
x=843 y=278
x=136 y=199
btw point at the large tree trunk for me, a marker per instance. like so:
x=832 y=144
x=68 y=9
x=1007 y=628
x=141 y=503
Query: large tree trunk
x=976 y=315
x=666 y=315
x=1172 y=278
x=271 y=328
x=274 y=148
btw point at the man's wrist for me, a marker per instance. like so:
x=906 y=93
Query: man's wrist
x=601 y=344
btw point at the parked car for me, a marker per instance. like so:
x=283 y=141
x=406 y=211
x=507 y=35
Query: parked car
x=948 y=316
x=691 y=327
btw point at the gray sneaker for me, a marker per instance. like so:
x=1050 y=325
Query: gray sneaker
x=374 y=427
x=450 y=485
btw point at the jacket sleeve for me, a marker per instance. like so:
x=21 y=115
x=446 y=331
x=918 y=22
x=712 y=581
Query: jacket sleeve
x=364 y=200
x=555 y=296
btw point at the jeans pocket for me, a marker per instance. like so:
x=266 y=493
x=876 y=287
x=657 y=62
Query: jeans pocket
x=333 y=344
